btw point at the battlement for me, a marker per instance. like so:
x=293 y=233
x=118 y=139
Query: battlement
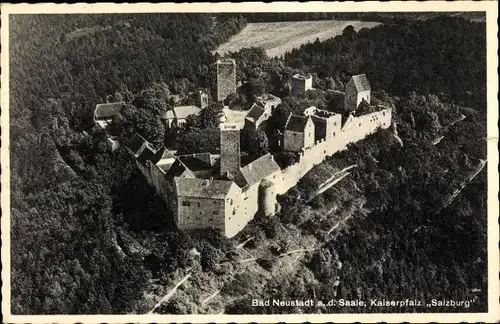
x=226 y=61
x=302 y=76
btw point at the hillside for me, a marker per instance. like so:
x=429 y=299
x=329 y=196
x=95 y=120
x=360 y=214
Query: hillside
x=91 y=236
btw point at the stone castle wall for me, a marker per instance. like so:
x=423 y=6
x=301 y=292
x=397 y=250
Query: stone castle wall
x=355 y=129
x=246 y=202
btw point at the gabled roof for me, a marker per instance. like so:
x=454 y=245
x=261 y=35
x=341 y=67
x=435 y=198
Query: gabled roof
x=296 y=123
x=361 y=82
x=197 y=162
x=255 y=112
x=136 y=144
x=169 y=114
x=163 y=153
x=108 y=110
x=147 y=154
x=203 y=188
x=182 y=112
x=177 y=169
x=259 y=169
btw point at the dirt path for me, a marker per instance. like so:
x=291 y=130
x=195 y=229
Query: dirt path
x=171 y=292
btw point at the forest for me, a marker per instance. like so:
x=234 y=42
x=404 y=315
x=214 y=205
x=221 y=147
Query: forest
x=90 y=236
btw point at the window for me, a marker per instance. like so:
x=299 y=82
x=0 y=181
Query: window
x=383 y=113
x=215 y=212
x=214 y=202
x=199 y=204
x=334 y=123
x=186 y=203
x=234 y=213
x=333 y=133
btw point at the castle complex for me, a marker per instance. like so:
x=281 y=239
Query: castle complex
x=216 y=191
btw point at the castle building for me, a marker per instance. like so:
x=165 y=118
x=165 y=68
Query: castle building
x=261 y=110
x=176 y=117
x=226 y=78
x=105 y=112
x=299 y=133
x=220 y=193
x=256 y=116
x=103 y=117
x=356 y=90
x=300 y=84
x=327 y=125
x=268 y=102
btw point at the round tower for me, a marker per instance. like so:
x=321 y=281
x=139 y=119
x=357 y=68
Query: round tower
x=267 y=198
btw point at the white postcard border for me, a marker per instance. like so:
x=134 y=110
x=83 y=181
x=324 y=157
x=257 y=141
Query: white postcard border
x=490 y=7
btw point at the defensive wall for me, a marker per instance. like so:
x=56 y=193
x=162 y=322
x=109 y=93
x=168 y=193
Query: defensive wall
x=248 y=200
x=354 y=129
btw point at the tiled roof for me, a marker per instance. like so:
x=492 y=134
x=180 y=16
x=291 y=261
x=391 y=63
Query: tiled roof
x=259 y=169
x=255 y=112
x=296 y=123
x=205 y=188
x=136 y=144
x=107 y=110
x=182 y=112
x=197 y=162
x=169 y=114
x=147 y=154
x=177 y=169
x=361 y=82
x=162 y=153
x=319 y=127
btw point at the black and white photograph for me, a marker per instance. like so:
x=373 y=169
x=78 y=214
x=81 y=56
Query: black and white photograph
x=237 y=162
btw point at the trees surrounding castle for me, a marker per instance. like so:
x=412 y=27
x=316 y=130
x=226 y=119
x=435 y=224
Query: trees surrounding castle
x=405 y=55
x=94 y=234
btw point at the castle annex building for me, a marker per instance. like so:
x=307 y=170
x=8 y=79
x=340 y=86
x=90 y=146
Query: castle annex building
x=356 y=90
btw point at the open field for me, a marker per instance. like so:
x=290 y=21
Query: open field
x=277 y=38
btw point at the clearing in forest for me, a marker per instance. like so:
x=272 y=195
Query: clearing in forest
x=277 y=38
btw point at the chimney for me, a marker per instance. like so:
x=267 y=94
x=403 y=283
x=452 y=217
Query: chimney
x=229 y=150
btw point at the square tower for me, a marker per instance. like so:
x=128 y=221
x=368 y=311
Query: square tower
x=229 y=150
x=300 y=84
x=226 y=78
x=357 y=90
